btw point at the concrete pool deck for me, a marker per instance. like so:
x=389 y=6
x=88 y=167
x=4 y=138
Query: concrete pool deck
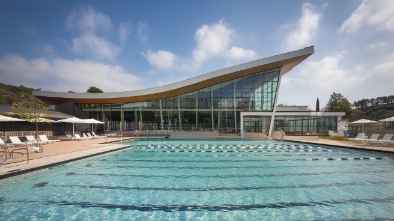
x=59 y=153
x=67 y=151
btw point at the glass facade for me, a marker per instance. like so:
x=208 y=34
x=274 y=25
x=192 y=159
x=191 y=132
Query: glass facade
x=303 y=125
x=216 y=107
x=257 y=124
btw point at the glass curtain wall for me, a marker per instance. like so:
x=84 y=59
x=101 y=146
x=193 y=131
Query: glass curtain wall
x=216 y=107
x=302 y=125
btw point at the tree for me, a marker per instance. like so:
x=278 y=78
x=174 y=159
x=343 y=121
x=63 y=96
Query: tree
x=339 y=103
x=356 y=115
x=93 y=89
x=31 y=111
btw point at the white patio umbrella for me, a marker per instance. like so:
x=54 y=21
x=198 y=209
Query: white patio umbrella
x=73 y=120
x=8 y=119
x=92 y=121
x=362 y=122
x=388 y=119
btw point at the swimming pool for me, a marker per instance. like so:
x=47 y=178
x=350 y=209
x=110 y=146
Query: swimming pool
x=209 y=180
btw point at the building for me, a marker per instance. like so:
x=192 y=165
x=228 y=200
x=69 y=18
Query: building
x=23 y=128
x=235 y=100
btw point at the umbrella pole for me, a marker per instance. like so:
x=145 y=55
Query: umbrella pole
x=73 y=129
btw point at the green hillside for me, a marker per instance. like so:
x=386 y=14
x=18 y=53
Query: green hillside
x=10 y=94
x=378 y=112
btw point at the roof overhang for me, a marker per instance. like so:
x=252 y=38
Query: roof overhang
x=286 y=61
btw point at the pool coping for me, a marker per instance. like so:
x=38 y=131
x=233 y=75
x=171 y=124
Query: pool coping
x=343 y=144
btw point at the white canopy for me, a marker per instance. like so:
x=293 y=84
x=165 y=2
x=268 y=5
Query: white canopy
x=8 y=119
x=73 y=120
x=362 y=122
x=388 y=119
x=92 y=121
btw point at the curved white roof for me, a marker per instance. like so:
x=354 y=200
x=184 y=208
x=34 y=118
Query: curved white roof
x=287 y=61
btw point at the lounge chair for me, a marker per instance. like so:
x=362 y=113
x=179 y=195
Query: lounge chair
x=373 y=138
x=94 y=134
x=77 y=137
x=359 y=137
x=5 y=146
x=86 y=137
x=70 y=137
x=44 y=138
x=91 y=137
x=386 y=139
x=1 y=142
x=16 y=141
x=33 y=140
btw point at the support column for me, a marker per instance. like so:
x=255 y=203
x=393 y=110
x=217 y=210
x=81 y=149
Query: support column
x=242 y=125
x=161 y=115
x=235 y=109
x=121 y=117
x=135 y=119
x=212 y=121
x=102 y=115
x=196 y=111
x=141 y=118
x=276 y=100
x=179 y=114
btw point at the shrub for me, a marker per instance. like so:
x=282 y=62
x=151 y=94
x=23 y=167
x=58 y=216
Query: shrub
x=343 y=138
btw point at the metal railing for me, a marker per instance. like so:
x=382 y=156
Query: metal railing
x=24 y=133
x=283 y=134
x=10 y=151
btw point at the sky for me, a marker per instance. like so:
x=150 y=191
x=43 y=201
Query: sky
x=127 y=45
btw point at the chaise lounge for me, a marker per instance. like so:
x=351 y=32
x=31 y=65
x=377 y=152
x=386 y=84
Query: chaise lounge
x=44 y=138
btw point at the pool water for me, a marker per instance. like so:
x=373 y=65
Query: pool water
x=209 y=180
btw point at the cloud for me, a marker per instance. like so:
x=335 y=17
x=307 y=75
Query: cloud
x=304 y=30
x=124 y=31
x=86 y=19
x=327 y=73
x=66 y=75
x=142 y=30
x=377 y=45
x=98 y=47
x=14 y=68
x=371 y=14
x=236 y=53
x=212 y=40
x=91 y=40
x=160 y=59
x=386 y=68
x=29 y=30
x=44 y=49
